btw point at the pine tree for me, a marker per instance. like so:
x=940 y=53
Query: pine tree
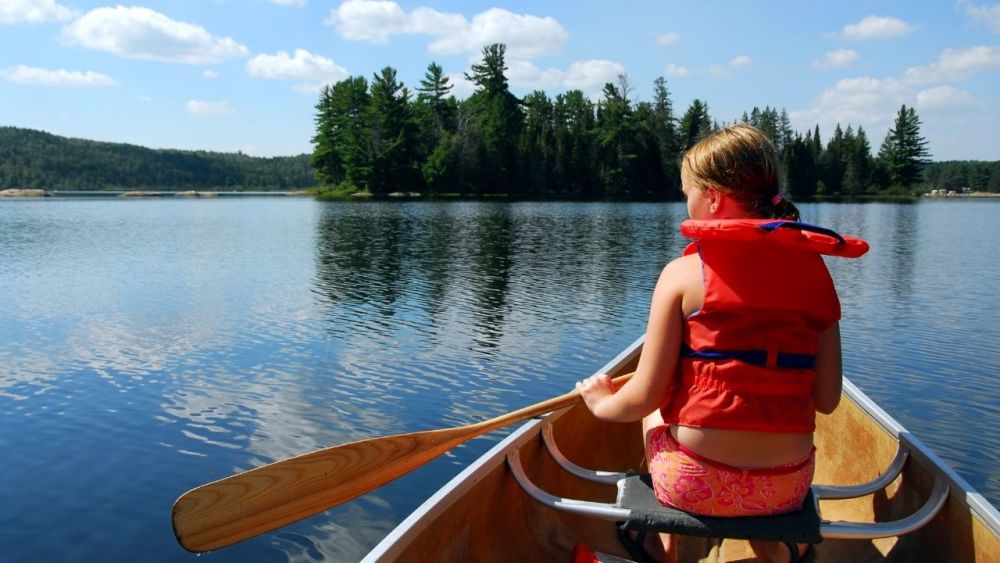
x=904 y=152
x=326 y=160
x=664 y=127
x=393 y=135
x=435 y=91
x=498 y=122
x=695 y=124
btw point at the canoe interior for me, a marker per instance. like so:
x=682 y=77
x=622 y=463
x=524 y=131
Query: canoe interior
x=489 y=518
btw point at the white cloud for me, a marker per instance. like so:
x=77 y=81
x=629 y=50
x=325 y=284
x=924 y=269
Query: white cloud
x=27 y=75
x=874 y=102
x=940 y=97
x=876 y=27
x=584 y=75
x=462 y=87
x=836 y=59
x=289 y=2
x=740 y=61
x=141 y=33
x=210 y=74
x=376 y=21
x=197 y=107
x=676 y=70
x=303 y=66
x=33 y=11
x=525 y=74
x=668 y=38
x=723 y=70
x=581 y=75
x=145 y=99
x=956 y=64
x=987 y=15
x=866 y=101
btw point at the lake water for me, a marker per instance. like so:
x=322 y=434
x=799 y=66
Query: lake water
x=150 y=346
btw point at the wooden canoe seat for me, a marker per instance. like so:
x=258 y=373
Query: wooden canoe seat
x=637 y=508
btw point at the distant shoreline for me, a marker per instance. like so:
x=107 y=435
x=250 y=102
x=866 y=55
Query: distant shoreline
x=33 y=193
x=39 y=193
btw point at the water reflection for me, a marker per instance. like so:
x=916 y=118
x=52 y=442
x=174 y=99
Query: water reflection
x=178 y=341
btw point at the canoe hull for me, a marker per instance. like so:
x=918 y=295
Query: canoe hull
x=484 y=515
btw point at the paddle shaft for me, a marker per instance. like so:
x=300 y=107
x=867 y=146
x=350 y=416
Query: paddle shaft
x=260 y=500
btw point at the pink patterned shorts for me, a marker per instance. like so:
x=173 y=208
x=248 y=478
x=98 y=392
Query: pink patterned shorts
x=684 y=480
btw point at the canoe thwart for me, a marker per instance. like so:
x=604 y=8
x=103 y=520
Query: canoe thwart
x=603 y=477
x=831 y=492
x=872 y=530
x=638 y=508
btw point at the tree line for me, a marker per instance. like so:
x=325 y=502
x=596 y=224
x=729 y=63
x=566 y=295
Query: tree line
x=35 y=159
x=378 y=137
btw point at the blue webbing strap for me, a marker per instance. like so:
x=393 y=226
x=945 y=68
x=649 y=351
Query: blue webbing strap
x=774 y=225
x=755 y=357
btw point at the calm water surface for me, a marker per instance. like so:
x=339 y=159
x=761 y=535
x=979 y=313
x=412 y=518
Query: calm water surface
x=150 y=346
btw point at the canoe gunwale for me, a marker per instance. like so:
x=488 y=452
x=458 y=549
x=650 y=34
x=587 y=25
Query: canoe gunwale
x=960 y=489
x=400 y=537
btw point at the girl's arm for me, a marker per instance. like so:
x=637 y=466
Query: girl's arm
x=647 y=389
x=829 y=374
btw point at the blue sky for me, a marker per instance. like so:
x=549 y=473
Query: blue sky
x=229 y=75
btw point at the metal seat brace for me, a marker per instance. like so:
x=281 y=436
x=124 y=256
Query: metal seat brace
x=828 y=529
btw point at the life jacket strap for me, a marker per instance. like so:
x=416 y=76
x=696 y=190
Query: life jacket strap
x=760 y=358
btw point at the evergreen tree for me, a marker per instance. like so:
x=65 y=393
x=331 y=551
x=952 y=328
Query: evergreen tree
x=498 y=122
x=435 y=91
x=904 y=152
x=858 y=168
x=343 y=145
x=695 y=124
x=393 y=136
x=664 y=127
x=538 y=141
x=326 y=160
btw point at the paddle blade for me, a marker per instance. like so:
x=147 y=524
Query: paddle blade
x=247 y=504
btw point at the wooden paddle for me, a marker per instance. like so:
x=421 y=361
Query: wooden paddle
x=247 y=504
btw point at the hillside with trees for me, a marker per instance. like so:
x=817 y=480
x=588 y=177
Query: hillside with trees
x=379 y=138
x=34 y=159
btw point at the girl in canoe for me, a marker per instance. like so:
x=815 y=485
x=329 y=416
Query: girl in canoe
x=742 y=347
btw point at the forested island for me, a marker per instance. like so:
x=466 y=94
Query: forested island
x=376 y=138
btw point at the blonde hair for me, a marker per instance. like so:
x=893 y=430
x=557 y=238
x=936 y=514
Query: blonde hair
x=743 y=163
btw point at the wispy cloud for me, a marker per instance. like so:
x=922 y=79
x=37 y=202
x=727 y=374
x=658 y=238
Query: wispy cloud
x=874 y=101
x=289 y=2
x=198 y=107
x=27 y=75
x=876 y=27
x=668 y=38
x=588 y=76
x=141 y=33
x=957 y=64
x=33 y=11
x=738 y=62
x=840 y=58
x=940 y=97
x=676 y=70
x=303 y=66
x=376 y=21
x=986 y=15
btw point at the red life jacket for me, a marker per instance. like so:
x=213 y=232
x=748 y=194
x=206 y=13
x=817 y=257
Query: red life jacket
x=748 y=355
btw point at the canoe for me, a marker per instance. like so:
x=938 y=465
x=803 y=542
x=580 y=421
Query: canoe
x=883 y=495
